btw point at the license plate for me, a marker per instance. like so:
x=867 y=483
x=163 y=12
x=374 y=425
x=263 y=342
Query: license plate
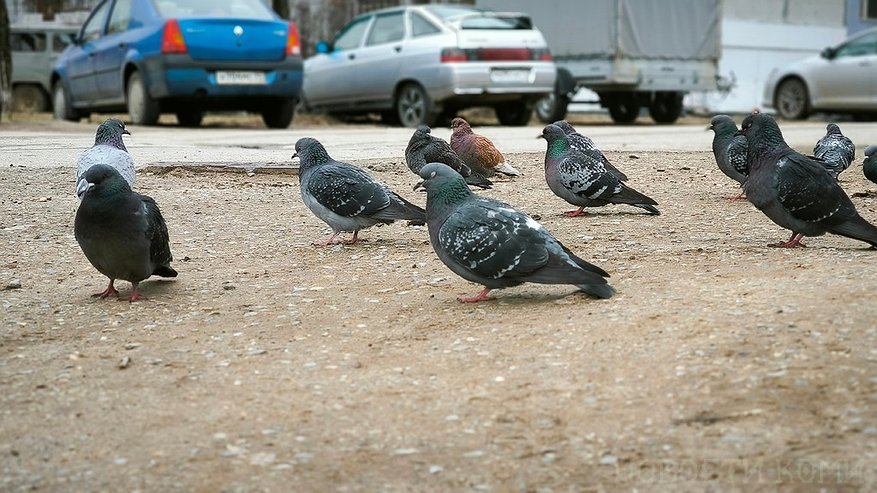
x=239 y=78
x=506 y=75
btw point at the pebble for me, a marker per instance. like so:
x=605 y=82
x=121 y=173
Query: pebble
x=13 y=284
x=125 y=362
x=435 y=469
x=608 y=460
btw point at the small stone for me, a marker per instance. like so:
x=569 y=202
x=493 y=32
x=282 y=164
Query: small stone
x=229 y=286
x=13 y=284
x=125 y=362
x=473 y=454
x=435 y=469
x=44 y=199
x=405 y=451
x=608 y=460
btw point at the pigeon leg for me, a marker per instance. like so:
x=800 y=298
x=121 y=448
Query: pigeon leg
x=354 y=239
x=739 y=196
x=576 y=213
x=135 y=296
x=111 y=290
x=330 y=240
x=794 y=241
x=482 y=296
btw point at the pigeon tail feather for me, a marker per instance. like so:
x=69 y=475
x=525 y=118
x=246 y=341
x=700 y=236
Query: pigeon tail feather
x=602 y=291
x=857 y=228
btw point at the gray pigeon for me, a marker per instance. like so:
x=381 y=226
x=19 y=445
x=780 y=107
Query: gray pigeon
x=424 y=148
x=835 y=149
x=346 y=197
x=478 y=151
x=869 y=165
x=795 y=191
x=108 y=149
x=586 y=146
x=122 y=233
x=583 y=180
x=490 y=243
x=729 y=149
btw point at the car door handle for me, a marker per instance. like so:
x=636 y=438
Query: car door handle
x=351 y=56
x=397 y=48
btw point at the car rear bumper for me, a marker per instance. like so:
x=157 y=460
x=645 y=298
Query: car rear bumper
x=486 y=81
x=179 y=76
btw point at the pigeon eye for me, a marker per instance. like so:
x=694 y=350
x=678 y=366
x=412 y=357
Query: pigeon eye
x=432 y=175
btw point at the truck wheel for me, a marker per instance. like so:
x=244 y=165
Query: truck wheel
x=29 y=98
x=413 y=106
x=514 y=114
x=791 y=100
x=666 y=107
x=624 y=109
x=61 y=107
x=143 y=109
x=552 y=107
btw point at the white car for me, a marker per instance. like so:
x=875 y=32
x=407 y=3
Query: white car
x=841 y=79
x=421 y=64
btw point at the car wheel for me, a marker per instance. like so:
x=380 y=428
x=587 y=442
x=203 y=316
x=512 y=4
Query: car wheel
x=143 y=109
x=666 y=107
x=413 y=106
x=190 y=118
x=552 y=107
x=280 y=114
x=61 y=108
x=29 y=98
x=792 y=101
x=516 y=113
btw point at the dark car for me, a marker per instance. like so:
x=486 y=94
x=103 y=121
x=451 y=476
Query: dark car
x=185 y=57
x=34 y=51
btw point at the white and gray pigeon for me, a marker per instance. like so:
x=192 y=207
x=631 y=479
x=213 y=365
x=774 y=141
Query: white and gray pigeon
x=346 y=197
x=869 y=165
x=729 y=149
x=584 y=181
x=424 y=148
x=488 y=242
x=122 y=233
x=108 y=149
x=585 y=145
x=795 y=191
x=835 y=149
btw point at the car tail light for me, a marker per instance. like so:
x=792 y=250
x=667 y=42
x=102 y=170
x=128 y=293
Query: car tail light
x=172 y=38
x=293 y=42
x=494 y=55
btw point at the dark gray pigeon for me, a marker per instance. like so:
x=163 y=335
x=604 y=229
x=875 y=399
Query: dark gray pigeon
x=108 y=149
x=835 y=149
x=729 y=149
x=586 y=146
x=583 y=180
x=346 y=197
x=122 y=233
x=424 y=148
x=795 y=191
x=869 y=165
x=490 y=243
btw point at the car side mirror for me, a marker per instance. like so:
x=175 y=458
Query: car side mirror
x=828 y=53
x=323 y=47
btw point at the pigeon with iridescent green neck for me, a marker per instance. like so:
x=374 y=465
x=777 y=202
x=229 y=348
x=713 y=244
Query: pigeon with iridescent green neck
x=108 y=149
x=585 y=145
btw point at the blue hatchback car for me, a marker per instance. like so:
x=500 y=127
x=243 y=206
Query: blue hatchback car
x=185 y=57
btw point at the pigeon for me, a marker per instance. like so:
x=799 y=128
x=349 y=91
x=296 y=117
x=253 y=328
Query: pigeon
x=121 y=233
x=478 y=151
x=835 y=149
x=424 y=148
x=582 y=180
x=108 y=149
x=586 y=146
x=795 y=191
x=490 y=243
x=346 y=197
x=869 y=166
x=729 y=150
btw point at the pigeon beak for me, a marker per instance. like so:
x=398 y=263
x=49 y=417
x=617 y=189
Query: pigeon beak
x=419 y=185
x=126 y=132
x=82 y=187
x=294 y=155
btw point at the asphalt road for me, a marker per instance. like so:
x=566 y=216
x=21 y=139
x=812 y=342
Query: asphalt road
x=58 y=144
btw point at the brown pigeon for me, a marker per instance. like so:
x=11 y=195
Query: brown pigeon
x=478 y=151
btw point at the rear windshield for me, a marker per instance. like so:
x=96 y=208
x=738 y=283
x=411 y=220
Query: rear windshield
x=249 y=9
x=469 y=18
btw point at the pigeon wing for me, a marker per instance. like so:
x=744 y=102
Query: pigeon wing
x=806 y=190
x=347 y=191
x=587 y=177
x=156 y=232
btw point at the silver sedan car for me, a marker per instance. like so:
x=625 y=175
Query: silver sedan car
x=839 y=80
x=421 y=64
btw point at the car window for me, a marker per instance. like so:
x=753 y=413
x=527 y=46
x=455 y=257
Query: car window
x=94 y=26
x=421 y=26
x=351 y=35
x=863 y=45
x=60 y=41
x=120 y=17
x=386 y=29
x=27 y=41
x=250 y=9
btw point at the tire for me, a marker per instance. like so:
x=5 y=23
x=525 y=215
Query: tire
x=552 y=107
x=666 y=107
x=143 y=109
x=514 y=114
x=280 y=114
x=29 y=98
x=624 y=108
x=791 y=99
x=61 y=107
x=190 y=118
x=413 y=106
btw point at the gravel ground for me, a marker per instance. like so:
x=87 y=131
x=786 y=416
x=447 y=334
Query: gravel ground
x=270 y=364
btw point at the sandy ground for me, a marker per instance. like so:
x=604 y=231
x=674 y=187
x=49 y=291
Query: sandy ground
x=270 y=364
